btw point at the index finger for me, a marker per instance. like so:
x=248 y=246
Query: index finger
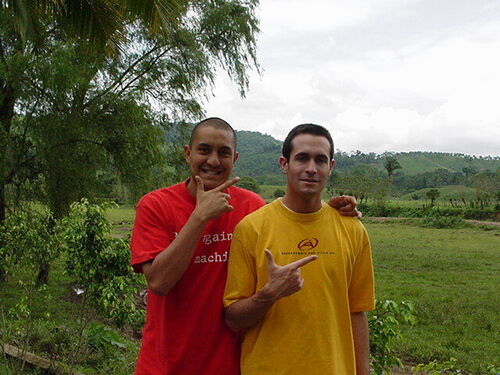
x=226 y=184
x=302 y=262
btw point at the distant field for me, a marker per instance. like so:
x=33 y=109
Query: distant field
x=446 y=192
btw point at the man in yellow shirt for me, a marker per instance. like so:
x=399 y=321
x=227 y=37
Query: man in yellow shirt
x=308 y=321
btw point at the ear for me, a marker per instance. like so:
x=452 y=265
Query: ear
x=332 y=164
x=235 y=157
x=283 y=164
x=187 y=153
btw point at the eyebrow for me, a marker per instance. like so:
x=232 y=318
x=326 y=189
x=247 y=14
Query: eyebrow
x=299 y=154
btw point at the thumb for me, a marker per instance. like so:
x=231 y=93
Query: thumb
x=270 y=259
x=199 y=183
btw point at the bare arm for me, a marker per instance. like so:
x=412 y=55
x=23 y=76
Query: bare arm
x=359 y=324
x=168 y=267
x=283 y=281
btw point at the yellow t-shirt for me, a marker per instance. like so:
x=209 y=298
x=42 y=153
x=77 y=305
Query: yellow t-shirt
x=309 y=332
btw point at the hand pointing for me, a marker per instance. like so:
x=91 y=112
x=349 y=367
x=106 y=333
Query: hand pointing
x=284 y=280
x=212 y=203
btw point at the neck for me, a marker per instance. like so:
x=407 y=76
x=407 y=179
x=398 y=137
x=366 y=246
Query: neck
x=191 y=187
x=302 y=205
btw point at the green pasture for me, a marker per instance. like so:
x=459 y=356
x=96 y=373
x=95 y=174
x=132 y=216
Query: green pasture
x=452 y=278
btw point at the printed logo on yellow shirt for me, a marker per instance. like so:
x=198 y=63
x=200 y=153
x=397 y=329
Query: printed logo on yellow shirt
x=307 y=244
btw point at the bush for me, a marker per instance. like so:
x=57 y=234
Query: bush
x=100 y=264
x=384 y=323
x=28 y=237
x=441 y=222
x=278 y=193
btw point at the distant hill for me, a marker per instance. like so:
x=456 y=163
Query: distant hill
x=259 y=155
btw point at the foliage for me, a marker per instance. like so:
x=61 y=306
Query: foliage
x=70 y=116
x=249 y=183
x=29 y=237
x=432 y=194
x=278 y=193
x=436 y=368
x=384 y=324
x=363 y=182
x=99 y=263
x=443 y=222
x=391 y=164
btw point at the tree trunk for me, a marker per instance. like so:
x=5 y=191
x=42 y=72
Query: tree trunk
x=7 y=101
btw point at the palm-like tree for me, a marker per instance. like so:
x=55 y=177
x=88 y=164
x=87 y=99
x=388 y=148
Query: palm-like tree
x=100 y=22
x=391 y=164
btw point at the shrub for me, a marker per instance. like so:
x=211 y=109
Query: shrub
x=278 y=193
x=100 y=263
x=384 y=323
x=441 y=222
x=28 y=237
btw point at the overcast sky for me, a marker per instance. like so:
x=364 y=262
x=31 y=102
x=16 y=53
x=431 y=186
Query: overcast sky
x=381 y=75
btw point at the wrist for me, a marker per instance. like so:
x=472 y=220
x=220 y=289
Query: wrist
x=264 y=296
x=198 y=218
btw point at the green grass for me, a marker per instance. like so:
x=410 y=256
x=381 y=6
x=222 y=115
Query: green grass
x=452 y=278
x=450 y=275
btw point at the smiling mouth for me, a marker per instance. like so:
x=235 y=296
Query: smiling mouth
x=211 y=172
x=309 y=180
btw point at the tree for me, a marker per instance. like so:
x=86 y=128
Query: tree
x=67 y=114
x=172 y=72
x=391 y=164
x=432 y=194
x=100 y=23
x=249 y=183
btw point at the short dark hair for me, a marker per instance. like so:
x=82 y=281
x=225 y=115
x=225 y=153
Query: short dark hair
x=214 y=122
x=306 y=129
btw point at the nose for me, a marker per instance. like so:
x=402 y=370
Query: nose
x=311 y=167
x=213 y=159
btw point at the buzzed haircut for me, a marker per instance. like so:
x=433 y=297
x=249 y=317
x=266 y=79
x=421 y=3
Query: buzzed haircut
x=306 y=129
x=214 y=122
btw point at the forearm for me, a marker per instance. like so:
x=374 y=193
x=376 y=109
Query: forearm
x=169 y=266
x=361 y=342
x=247 y=312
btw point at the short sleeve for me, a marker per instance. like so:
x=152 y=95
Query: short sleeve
x=242 y=274
x=151 y=233
x=361 y=288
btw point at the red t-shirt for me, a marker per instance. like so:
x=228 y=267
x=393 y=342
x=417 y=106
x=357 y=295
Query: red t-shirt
x=185 y=332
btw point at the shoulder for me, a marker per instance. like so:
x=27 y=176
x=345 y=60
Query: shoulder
x=258 y=217
x=352 y=224
x=159 y=196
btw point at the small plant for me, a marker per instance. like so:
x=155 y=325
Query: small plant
x=384 y=324
x=100 y=264
x=436 y=368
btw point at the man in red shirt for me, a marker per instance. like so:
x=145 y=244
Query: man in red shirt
x=181 y=241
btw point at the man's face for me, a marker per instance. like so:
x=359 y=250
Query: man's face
x=309 y=165
x=211 y=155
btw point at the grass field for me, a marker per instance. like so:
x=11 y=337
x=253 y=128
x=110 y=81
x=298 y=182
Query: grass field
x=451 y=277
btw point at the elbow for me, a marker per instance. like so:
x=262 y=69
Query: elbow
x=231 y=322
x=159 y=288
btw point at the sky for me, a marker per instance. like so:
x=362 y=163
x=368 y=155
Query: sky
x=381 y=75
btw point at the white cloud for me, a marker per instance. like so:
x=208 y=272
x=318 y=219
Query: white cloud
x=379 y=83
